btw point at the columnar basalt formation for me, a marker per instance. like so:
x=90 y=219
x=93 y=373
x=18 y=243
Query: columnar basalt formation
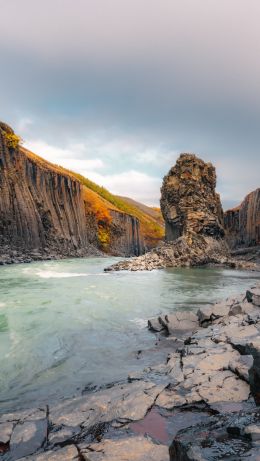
x=189 y=202
x=193 y=219
x=126 y=238
x=45 y=212
x=242 y=224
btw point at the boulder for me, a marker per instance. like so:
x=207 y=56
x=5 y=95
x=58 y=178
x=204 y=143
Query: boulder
x=179 y=322
x=253 y=296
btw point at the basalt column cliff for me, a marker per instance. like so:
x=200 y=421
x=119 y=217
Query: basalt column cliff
x=193 y=219
x=243 y=223
x=46 y=212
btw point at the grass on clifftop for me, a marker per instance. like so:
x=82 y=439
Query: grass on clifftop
x=151 y=228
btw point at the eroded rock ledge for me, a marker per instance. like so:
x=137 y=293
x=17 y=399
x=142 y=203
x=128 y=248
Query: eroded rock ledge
x=201 y=403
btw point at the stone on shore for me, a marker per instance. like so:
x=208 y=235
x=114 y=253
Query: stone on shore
x=213 y=368
x=123 y=401
x=253 y=296
x=69 y=453
x=128 y=449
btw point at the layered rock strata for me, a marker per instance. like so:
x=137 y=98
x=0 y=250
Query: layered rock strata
x=200 y=403
x=45 y=213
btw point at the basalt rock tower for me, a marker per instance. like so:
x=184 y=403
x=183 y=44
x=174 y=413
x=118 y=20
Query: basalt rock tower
x=189 y=202
x=193 y=220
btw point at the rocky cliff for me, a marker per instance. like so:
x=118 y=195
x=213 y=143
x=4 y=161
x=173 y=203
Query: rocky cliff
x=189 y=202
x=242 y=224
x=193 y=218
x=46 y=212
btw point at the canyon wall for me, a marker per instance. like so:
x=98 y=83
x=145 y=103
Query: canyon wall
x=44 y=213
x=242 y=224
x=126 y=237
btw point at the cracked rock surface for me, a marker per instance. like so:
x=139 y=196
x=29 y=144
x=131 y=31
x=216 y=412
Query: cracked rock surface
x=200 y=403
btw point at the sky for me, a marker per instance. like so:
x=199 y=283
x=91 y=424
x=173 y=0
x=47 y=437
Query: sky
x=117 y=89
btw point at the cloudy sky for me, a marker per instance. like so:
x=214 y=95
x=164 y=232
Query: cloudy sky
x=116 y=89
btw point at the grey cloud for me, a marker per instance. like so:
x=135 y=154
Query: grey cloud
x=177 y=75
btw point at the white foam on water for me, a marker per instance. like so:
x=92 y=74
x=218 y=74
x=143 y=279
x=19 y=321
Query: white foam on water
x=2 y=305
x=59 y=275
x=141 y=323
x=50 y=274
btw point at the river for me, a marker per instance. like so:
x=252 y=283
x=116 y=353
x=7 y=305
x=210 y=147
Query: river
x=66 y=325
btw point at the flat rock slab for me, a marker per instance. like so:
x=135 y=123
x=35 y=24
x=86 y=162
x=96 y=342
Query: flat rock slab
x=130 y=449
x=210 y=313
x=69 y=453
x=179 y=322
x=27 y=438
x=127 y=401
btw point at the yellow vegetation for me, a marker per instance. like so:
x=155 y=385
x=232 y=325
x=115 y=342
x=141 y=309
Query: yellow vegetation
x=101 y=201
x=12 y=140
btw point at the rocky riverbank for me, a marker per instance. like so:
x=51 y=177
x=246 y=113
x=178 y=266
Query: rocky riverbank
x=200 y=403
x=187 y=251
x=9 y=255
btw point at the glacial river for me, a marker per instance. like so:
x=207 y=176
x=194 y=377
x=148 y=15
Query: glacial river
x=66 y=326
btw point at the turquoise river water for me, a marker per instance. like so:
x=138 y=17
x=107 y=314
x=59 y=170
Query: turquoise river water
x=67 y=325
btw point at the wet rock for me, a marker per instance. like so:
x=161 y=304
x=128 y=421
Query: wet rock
x=208 y=314
x=253 y=296
x=179 y=322
x=63 y=435
x=32 y=414
x=69 y=453
x=155 y=325
x=220 y=437
x=136 y=448
x=27 y=438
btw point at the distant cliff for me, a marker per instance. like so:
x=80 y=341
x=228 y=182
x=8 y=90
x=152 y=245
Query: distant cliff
x=45 y=211
x=242 y=224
